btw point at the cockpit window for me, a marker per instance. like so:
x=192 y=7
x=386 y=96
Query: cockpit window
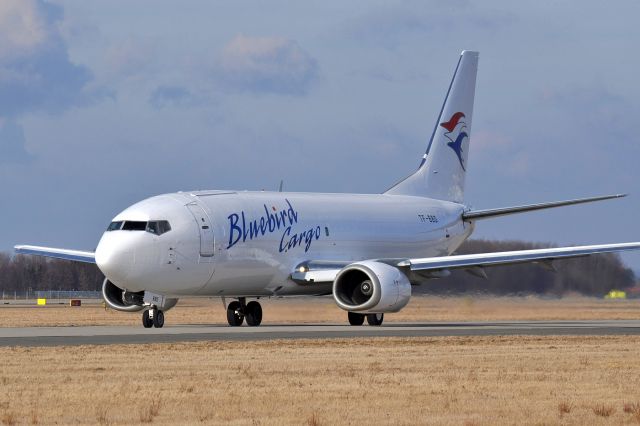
x=115 y=226
x=158 y=227
x=131 y=225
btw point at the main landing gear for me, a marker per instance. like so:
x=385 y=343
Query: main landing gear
x=153 y=318
x=239 y=310
x=358 y=319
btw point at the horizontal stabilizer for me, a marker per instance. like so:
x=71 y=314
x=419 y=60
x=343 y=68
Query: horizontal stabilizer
x=56 y=253
x=485 y=214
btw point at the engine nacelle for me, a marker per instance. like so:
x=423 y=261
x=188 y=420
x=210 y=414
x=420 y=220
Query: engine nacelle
x=121 y=300
x=371 y=287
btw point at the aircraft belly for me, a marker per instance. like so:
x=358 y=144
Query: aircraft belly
x=251 y=277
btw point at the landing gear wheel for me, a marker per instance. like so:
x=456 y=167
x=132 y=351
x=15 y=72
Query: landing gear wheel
x=234 y=314
x=355 y=318
x=147 y=322
x=158 y=319
x=375 y=319
x=253 y=314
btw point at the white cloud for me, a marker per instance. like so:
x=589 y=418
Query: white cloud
x=35 y=70
x=131 y=57
x=24 y=27
x=267 y=65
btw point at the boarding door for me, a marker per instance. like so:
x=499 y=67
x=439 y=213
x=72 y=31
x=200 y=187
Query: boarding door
x=205 y=227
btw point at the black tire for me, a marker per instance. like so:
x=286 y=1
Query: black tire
x=355 y=318
x=147 y=322
x=234 y=317
x=375 y=319
x=158 y=319
x=253 y=314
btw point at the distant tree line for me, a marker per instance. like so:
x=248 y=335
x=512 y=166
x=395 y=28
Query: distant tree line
x=591 y=275
x=24 y=273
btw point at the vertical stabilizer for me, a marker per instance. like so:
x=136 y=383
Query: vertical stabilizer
x=442 y=170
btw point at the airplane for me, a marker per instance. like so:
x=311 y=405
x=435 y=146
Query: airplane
x=367 y=250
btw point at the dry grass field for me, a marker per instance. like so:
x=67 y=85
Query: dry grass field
x=450 y=381
x=322 y=310
x=456 y=381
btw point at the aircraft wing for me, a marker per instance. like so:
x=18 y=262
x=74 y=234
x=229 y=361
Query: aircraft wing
x=322 y=272
x=511 y=257
x=57 y=253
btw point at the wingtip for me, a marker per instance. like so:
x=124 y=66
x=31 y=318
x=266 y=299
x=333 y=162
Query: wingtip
x=612 y=196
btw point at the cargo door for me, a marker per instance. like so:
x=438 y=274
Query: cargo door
x=206 y=229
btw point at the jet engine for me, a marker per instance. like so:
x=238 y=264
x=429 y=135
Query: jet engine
x=121 y=300
x=128 y=301
x=371 y=287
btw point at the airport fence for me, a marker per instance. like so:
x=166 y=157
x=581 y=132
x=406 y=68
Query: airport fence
x=49 y=294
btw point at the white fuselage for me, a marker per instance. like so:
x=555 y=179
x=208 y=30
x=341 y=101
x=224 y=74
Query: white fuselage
x=225 y=243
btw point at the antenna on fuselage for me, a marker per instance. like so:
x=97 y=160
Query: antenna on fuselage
x=281 y=185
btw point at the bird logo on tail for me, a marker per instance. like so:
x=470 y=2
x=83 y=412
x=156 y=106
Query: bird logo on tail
x=456 y=122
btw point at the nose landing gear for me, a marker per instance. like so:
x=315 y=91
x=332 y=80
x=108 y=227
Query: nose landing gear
x=153 y=318
x=238 y=311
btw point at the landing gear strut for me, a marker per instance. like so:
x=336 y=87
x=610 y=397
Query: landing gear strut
x=239 y=310
x=153 y=318
x=147 y=321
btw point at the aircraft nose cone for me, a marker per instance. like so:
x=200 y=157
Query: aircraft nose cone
x=115 y=262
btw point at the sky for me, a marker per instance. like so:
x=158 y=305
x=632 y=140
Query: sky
x=103 y=104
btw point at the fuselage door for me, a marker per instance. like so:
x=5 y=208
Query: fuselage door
x=206 y=229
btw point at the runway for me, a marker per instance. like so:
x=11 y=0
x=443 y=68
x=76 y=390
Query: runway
x=108 y=335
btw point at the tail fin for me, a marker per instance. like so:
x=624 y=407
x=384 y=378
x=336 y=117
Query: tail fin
x=442 y=171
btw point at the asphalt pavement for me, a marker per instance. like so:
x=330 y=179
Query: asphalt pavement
x=108 y=335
